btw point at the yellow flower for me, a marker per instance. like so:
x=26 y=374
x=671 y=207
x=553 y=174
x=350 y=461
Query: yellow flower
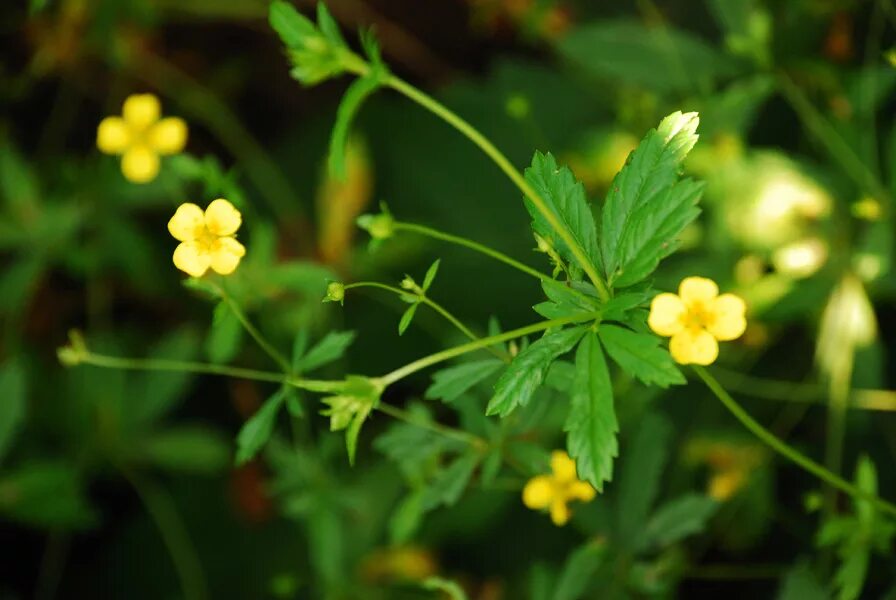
x=696 y=318
x=554 y=491
x=140 y=136
x=207 y=239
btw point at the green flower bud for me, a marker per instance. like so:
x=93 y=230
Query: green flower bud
x=380 y=227
x=335 y=292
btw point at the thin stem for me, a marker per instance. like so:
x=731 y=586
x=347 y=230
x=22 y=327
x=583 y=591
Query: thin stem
x=255 y=333
x=471 y=133
x=161 y=509
x=432 y=304
x=450 y=353
x=444 y=430
x=468 y=243
x=786 y=450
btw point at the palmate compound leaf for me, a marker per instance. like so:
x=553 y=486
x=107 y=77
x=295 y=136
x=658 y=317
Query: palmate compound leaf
x=591 y=424
x=565 y=198
x=640 y=355
x=528 y=370
x=648 y=204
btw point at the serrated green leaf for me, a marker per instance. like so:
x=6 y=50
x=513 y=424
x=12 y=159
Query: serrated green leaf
x=527 y=371
x=407 y=317
x=354 y=97
x=331 y=348
x=225 y=336
x=12 y=404
x=578 y=570
x=292 y=27
x=678 y=519
x=591 y=423
x=256 y=432
x=564 y=196
x=640 y=355
x=564 y=301
x=186 y=448
x=648 y=205
x=449 y=384
x=446 y=488
x=430 y=274
x=639 y=479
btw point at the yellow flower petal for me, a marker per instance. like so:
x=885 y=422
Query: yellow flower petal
x=113 y=135
x=695 y=346
x=538 y=492
x=222 y=218
x=667 y=313
x=225 y=254
x=168 y=136
x=727 y=320
x=140 y=164
x=581 y=490
x=140 y=111
x=697 y=291
x=190 y=258
x=563 y=466
x=559 y=513
x=188 y=222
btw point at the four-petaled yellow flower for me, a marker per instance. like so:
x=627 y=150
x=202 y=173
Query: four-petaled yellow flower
x=556 y=490
x=207 y=238
x=696 y=318
x=140 y=136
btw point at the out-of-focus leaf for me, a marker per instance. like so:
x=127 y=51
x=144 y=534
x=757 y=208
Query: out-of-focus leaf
x=591 y=422
x=527 y=371
x=223 y=341
x=578 y=570
x=659 y=58
x=640 y=355
x=331 y=348
x=18 y=282
x=406 y=518
x=451 y=482
x=678 y=519
x=192 y=449
x=12 y=403
x=156 y=392
x=801 y=584
x=352 y=100
x=450 y=383
x=255 y=433
x=451 y=589
x=45 y=494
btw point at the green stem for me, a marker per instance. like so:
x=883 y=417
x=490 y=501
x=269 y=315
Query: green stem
x=161 y=509
x=426 y=361
x=468 y=243
x=473 y=134
x=432 y=304
x=255 y=333
x=444 y=430
x=786 y=450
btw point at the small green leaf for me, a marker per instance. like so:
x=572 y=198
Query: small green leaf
x=256 y=432
x=430 y=274
x=565 y=198
x=294 y=403
x=223 y=341
x=407 y=317
x=647 y=206
x=186 y=448
x=565 y=301
x=12 y=404
x=446 y=488
x=292 y=27
x=328 y=26
x=640 y=355
x=527 y=371
x=678 y=519
x=299 y=346
x=331 y=348
x=578 y=570
x=591 y=423
x=449 y=384
x=354 y=97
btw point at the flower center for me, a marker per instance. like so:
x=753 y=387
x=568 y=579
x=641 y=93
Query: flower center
x=206 y=239
x=697 y=316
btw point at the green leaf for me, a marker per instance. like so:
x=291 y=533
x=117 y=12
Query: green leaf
x=156 y=392
x=852 y=572
x=328 y=26
x=660 y=58
x=430 y=274
x=407 y=317
x=299 y=346
x=331 y=348
x=446 y=488
x=648 y=205
x=294 y=403
x=565 y=198
x=354 y=97
x=449 y=384
x=225 y=336
x=187 y=448
x=678 y=519
x=256 y=432
x=12 y=404
x=292 y=27
x=640 y=355
x=406 y=518
x=450 y=589
x=639 y=479
x=527 y=371
x=591 y=423
x=801 y=584
x=564 y=301
x=578 y=570
x=411 y=447
x=45 y=494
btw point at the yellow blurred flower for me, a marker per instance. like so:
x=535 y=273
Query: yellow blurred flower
x=140 y=136
x=556 y=490
x=696 y=318
x=207 y=238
